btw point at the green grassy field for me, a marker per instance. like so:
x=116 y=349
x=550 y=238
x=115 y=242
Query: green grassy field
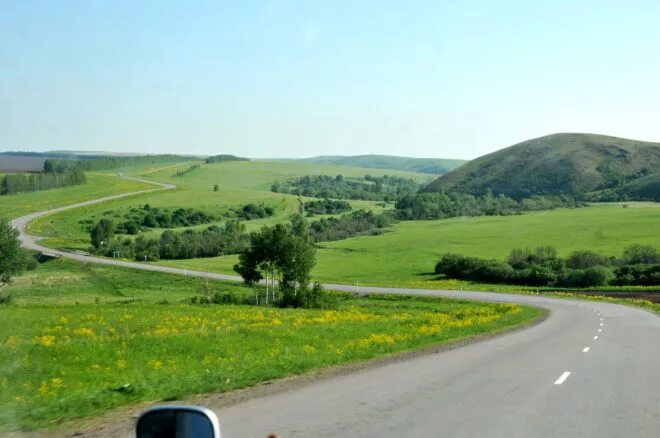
x=240 y=183
x=97 y=186
x=80 y=340
x=407 y=255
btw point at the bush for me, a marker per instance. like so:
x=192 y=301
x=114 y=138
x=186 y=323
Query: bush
x=254 y=211
x=227 y=298
x=535 y=275
x=6 y=299
x=326 y=206
x=31 y=263
x=638 y=275
x=456 y=266
x=591 y=277
x=584 y=259
x=306 y=298
x=597 y=276
x=494 y=271
x=640 y=254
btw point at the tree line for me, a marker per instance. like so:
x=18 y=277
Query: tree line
x=180 y=173
x=32 y=182
x=357 y=223
x=223 y=158
x=638 y=266
x=371 y=188
x=145 y=217
x=211 y=242
x=440 y=205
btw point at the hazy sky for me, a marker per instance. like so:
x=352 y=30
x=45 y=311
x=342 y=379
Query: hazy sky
x=284 y=79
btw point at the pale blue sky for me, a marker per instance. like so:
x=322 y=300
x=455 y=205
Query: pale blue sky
x=285 y=79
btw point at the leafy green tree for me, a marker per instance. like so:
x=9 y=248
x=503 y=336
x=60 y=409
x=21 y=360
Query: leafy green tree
x=102 y=232
x=285 y=251
x=12 y=256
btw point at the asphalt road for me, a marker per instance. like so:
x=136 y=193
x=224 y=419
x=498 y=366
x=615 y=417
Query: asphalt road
x=589 y=370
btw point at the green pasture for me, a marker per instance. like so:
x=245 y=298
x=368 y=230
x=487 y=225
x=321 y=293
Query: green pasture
x=406 y=256
x=240 y=182
x=80 y=340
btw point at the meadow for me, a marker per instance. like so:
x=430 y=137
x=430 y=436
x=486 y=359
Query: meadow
x=80 y=340
x=239 y=183
x=406 y=256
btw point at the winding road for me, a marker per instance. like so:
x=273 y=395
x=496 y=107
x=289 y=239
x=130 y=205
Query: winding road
x=590 y=369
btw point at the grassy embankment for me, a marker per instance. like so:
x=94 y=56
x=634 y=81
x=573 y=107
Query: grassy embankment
x=60 y=360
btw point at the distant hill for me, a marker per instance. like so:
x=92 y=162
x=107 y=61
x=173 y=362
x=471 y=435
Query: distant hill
x=434 y=166
x=584 y=165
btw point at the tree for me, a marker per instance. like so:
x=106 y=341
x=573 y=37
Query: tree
x=102 y=232
x=12 y=257
x=216 y=188
x=285 y=251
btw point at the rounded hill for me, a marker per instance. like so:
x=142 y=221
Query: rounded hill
x=562 y=164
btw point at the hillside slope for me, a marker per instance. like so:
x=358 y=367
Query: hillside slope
x=435 y=166
x=570 y=164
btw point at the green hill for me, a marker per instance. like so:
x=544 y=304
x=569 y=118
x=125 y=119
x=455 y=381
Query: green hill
x=584 y=165
x=434 y=166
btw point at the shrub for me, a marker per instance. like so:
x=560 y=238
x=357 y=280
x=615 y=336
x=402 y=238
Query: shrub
x=535 y=275
x=308 y=298
x=591 y=277
x=6 y=299
x=597 y=276
x=456 y=265
x=584 y=259
x=640 y=254
x=638 y=275
x=31 y=263
x=494 y=271
x=227 y=298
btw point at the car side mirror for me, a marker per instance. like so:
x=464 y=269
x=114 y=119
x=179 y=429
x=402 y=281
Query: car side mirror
x=177 y=422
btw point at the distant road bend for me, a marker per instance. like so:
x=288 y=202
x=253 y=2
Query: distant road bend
x=590 y=369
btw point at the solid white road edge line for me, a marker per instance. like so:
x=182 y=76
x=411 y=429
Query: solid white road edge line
x=562 y=378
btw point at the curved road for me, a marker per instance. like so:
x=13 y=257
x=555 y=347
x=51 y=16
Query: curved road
x=589 y=370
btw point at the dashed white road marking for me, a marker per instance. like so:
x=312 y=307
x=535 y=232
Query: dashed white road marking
x=562 y=378
x=600 y=330
x=601 y=324
x=596 y=337
x=586 y=349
